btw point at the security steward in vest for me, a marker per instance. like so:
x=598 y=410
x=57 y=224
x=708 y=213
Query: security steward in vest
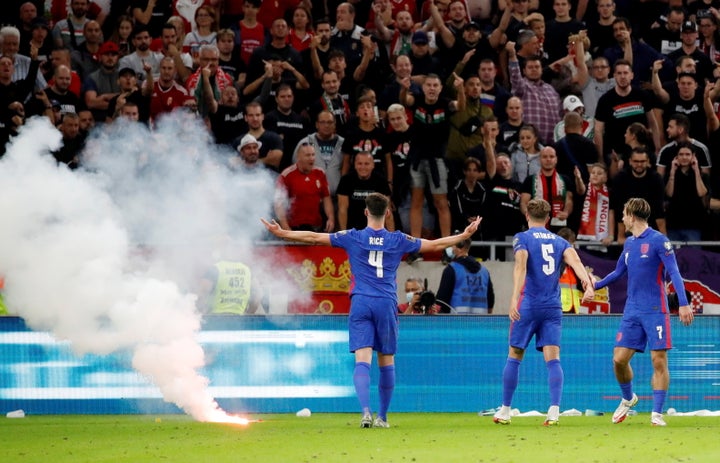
x=465 y=284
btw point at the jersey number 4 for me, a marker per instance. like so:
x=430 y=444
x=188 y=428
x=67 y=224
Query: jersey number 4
x=549 y=265
x=375 y=259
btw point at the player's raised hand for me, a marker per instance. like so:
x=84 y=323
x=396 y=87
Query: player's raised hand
x=472 y=228
x=273 y=227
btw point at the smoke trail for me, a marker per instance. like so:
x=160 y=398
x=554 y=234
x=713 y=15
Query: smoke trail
x=68 y=243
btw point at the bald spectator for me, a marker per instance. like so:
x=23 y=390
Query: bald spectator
x=85 y=56
x=165 y=93
x=68 y=32
x=61 y=57
x=59 y=91
x=328 y=148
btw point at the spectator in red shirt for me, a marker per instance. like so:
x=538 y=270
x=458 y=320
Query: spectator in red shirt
x=299 y=191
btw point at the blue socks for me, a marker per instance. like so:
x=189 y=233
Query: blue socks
x=361 y=379
x=626 y=389
x=386 y=386
x=511 y=374
x=658 y=400
x=555 y=381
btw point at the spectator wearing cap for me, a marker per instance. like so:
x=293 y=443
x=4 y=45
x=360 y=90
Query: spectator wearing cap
x=271 y=144
x=39 y=37
x=573 y=103
x=687 y=99
x=22 y=65
x=142 y=55
x=688 y=37
x=248 y=158
x=559 y=29
x=68 y=32
x=85 y=57
x=102 y=85
x=300 y=191
x=665 y=38
x=423 y=61
x=130 y=92
x=397 y=40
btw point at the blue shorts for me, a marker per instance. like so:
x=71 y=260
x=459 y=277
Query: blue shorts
x=544 y=324
x=373 y=322
x=638 y=330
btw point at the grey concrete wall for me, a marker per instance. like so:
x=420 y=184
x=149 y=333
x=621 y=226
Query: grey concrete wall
x=500 y=274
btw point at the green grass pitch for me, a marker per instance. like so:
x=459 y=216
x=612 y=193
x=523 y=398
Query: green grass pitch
x=325 y=437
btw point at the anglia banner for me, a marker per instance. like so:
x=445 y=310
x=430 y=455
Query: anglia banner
x=700 y=270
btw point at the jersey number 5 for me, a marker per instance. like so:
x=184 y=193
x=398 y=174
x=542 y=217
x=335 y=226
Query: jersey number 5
x=549 y=265
x=375 y=259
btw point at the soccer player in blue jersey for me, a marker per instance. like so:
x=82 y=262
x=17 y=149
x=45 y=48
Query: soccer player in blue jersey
x=647 y=255
x=535 y=305
x=374 y=254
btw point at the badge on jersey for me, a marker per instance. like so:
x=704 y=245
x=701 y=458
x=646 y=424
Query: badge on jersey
x=410 y=238
x=644 y=248
x=668 y=248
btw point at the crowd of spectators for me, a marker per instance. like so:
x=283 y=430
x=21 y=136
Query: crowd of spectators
x=454 y=108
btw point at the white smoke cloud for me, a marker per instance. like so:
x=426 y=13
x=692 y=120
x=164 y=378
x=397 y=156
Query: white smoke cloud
x=69 y=243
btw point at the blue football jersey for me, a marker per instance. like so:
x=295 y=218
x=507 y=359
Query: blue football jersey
x=544 y=266
x=374 y=258
x=646 y=259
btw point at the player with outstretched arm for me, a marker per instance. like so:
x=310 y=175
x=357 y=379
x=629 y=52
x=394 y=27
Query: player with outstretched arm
x=374 y=254
x=536 y=307
x=646 y=256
